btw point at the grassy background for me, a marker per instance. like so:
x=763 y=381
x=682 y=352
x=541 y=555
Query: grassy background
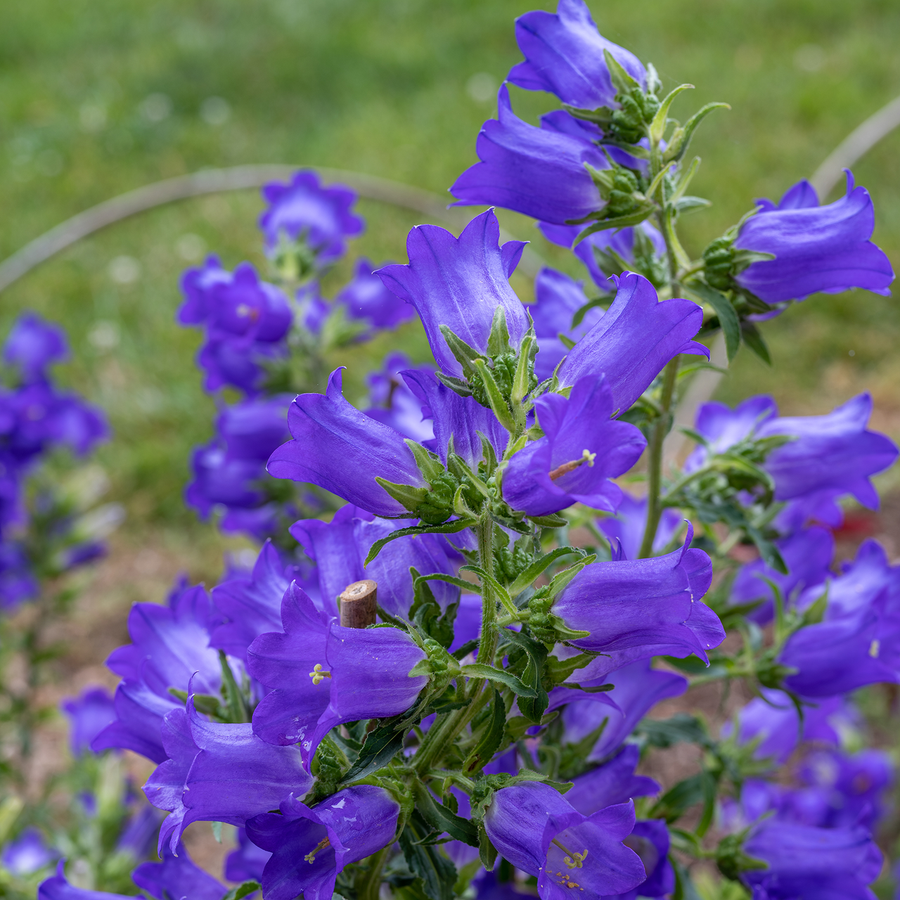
x=101 y=97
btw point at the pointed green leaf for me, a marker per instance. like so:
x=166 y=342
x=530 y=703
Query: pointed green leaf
x=491 y=737
x=498 y=337
x=440 y=818
x=444 y=528
x=754 y=340
x=501 y=676
x=530 y=575
x=242 y=890
x=408 y=495
x=465 y=353
x=641 y=214
x=621 y=80
x=682 y=137
x=724 y=309
x=496 y=400
x=429 y=464
x=658 y=125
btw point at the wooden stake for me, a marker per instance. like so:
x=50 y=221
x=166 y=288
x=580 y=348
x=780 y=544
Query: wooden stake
x=359 y=603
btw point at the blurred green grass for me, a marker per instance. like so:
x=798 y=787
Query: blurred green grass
x=102 y=97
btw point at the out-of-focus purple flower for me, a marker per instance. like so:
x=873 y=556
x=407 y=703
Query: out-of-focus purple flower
x=33 y=344
x=139 y=835
x=636 y=689
x=17 y=580
x=620 y=241
x=197 y=287
x=367 y=299
x=613 y=782
x=558 y=298
x=527 y=823
x=246 y=863
x=812 y=862
x=635 y=609
x=218 y=772
x=816 y=248
x=581 y=450
x=311 y=846
x=177 y=878
x=807 y=554
x=834 y=453
x=88 y=715
x=59 y=888
x=304 y=209
x=627 y=526
x=564 y=55
x=394 y=403
x=634 y=339
x=342 y=450
x=650 y=840
x=27 y=853
x=773 y=718
x=460 y=282
x=536 y=171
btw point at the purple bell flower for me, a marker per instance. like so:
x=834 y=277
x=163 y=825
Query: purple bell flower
x=637 y=688
x=366 y=299
x=59 y=888
x=564 y=56
x=177 y=878
x=17 y=580
x=812 y=862
x=460 y=282
x=536 y=171
x=634 y=339
x=537 y=830
x=304 y=208
x=394 y=403
x=89 y=714
x=628 y=524
x=650 y=840
x=807 y=554
x=581 y=450
x=620 y=240
x=220 y=773
x=558 y=298
x=197 y=287
x=613 y=782
x=635 y=609
x=247 y=862
x=816 y=248
x=27 y=854
x=342 y=450
x=32 y=345
x=311 y=846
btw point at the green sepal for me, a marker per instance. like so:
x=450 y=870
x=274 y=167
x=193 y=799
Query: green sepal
x=237 y=707
x=681 y=137
x=622 y=81
x=643 y=212
x=530 y=575
x=428 y=463
x=465 y=354
x=724 y=309
x=754 y=340
x=379 y=748
x=489 y=581
x=550 y=521
x=658 y=125
x=560 y=669
x=443 y=528
x=498 y=337
x=596 y=689
x=501 y=676
x=407 y=495
x=486 y=850
x=457 y=385
x=561 y=579
x=497 y=402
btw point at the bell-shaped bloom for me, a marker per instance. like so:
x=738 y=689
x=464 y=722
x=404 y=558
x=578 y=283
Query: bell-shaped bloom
x=367 y=299
x=246 y=863
x=637 y=688
x=341 y=449
x=627 y=527
x=27 y=853
x=303 y=208
x=816 y=248
x=634 y=339
x=251 y=603
x=394 y=403
x=619 y=240
x=774 y=720
x=862 y=580
x=311 y=846
x=829 y=455
x=32 y=345
x=635 y=609
x=60 y=888
x=536 y=171
x=176 y=877
x=822 y=863
x=529 y=824
x=650 y=840
x=581 y=450
x=460 y=282
x=219 y=773
x=557 y=299
x=89 y=713
x=807 y=554
x=564 y=56
x=613 y=782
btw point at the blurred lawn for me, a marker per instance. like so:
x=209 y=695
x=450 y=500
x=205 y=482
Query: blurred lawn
x=100 y=97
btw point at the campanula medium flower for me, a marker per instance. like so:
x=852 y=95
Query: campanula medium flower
x=367 y=299
x=627 y=526
x=537 y=830
x=26 y=854
x=60 y=888
x=816 y=248
x=89 y=714
x=635 y=609
x=393 y=403
x=310 y=846
x=218 y=772
x=177 y=877
x=247 y=861
x=32 y=345
x=613 y=782
x=460 y=282
x=342 y=450
x=564 y=56
x=581 y=450
x=634 y=339
x=303 y=208
x=536 y=171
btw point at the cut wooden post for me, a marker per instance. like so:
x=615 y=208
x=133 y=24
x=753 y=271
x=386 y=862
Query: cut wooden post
x=359 y=603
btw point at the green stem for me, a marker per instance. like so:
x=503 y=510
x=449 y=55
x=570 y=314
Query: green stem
x=368 y=883
x=487 y=641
